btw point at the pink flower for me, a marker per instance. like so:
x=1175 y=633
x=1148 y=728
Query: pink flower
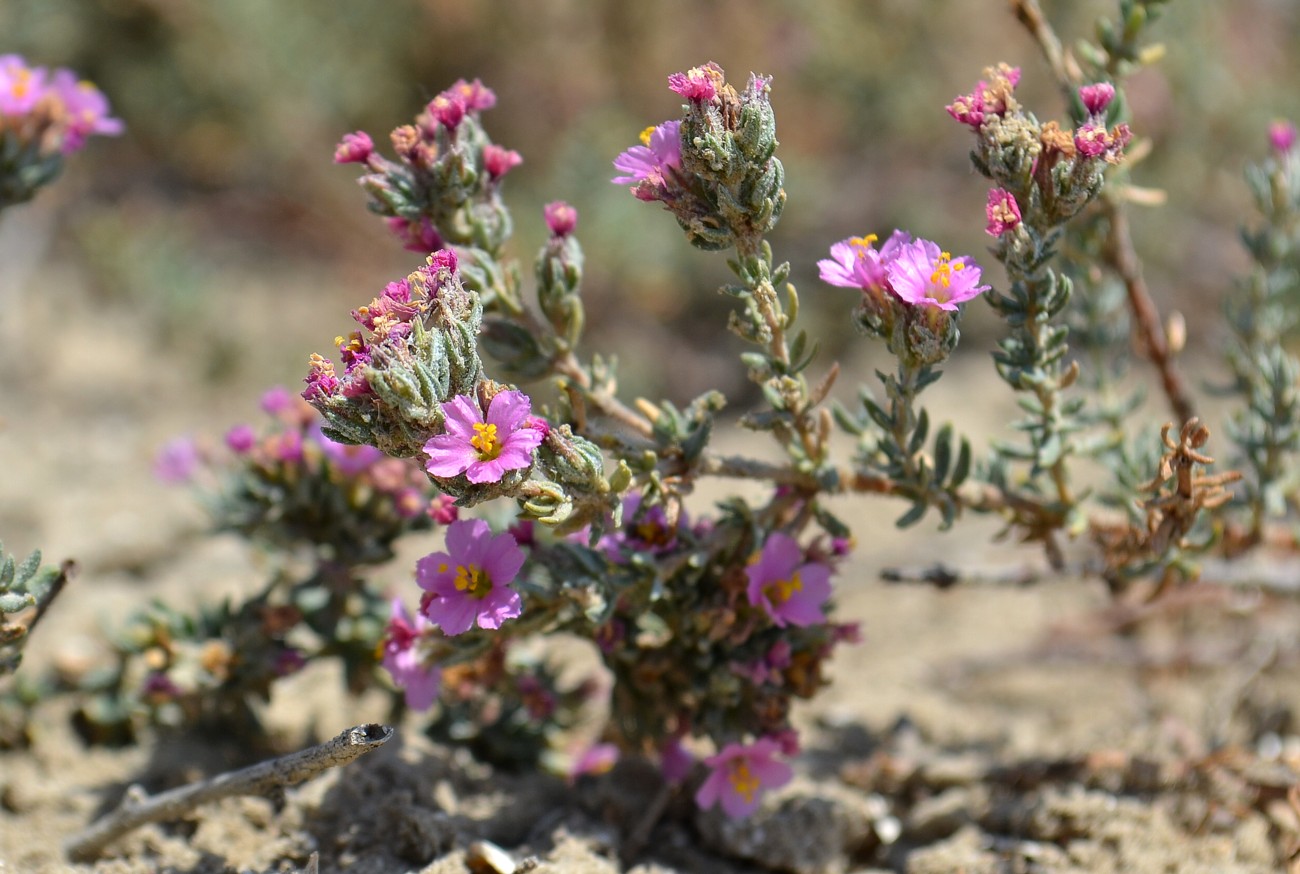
x=1092 y=140
x=177 y=460
x=498 y=161
x=443 y=510
x=322 y=382
x=483 y=447
x=924 y=276
x=1002 y=212
x=648 y=165
x=740 y=775
x=991 y=97
x=355 y=148
x=240 y=439
x=791 y=590
x=698 y=84
x=402 y=658
x=20 y=86
x=276 y=400
x=560 y=218
x=448 y=109
x=594 y=760
x=475 y=95
x=417 y=236
x=470 y=583
x=1282 y=136
x=347 y=459
x=86 y=108
x=855 y=263
x=1097 y=97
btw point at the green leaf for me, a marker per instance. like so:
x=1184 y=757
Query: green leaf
x=942 y=452
x=912 y=516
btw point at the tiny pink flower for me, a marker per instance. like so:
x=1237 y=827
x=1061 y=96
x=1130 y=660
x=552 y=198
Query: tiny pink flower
x=402 y=659
x=483 y=447
x=498 y=161
x=443 y=510
x=740 y=775
x=659 y=153
x=448 y=109
x=346 y=458
x=791 y=590
x=286 y=447
x=177 y=461
x=594 y=760
x=698 y=84
x=240 y=439
x=276 y=400
x=469 y=584
x=475 y=95
x=322 y=382
x=355 y=148
x=409 y=502
x=1097 y=97
x=418 y=236
x=561 y=218
x=1282 y=136
x=20 y=86
x=1002 y=211
x=86 y=108
x=922 y=275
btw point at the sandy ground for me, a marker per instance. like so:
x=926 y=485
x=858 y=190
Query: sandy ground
x=989 y=728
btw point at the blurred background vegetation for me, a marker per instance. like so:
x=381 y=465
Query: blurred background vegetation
x=219 y=225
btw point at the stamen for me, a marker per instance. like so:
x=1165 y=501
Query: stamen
x=471 y=580
x=743 y=780
x=645 y=135
x=485 y=441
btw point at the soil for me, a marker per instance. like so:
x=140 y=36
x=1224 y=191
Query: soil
x=996 y=726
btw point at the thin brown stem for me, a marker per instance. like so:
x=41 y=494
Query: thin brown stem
x=1123 y=259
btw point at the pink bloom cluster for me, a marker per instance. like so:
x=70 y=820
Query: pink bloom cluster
x=482 y=446
x=75 y=108
x=698 y=84
x=387 y=318
x=469 y=583
x=652 y=168
x=915 y=272
x=990 y=97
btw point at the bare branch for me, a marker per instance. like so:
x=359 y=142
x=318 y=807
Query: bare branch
x=138 y=809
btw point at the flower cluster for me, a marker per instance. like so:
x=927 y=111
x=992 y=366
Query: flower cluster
x=44 y=116
x=416 y=349
x=1058 y=170
x=444 y=187
x=290 y=484
x=715 y=169
x=910 y=291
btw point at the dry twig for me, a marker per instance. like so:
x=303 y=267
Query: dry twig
x=138 y=809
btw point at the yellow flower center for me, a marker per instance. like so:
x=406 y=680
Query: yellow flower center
x=486 y=441
x=780 y=591
x=742 y=779
x=471 y=580
x=943 y=270
x=645 y=135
